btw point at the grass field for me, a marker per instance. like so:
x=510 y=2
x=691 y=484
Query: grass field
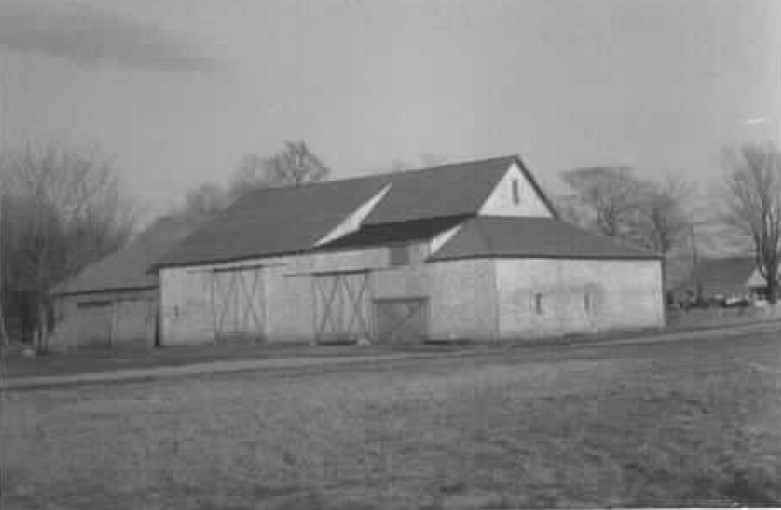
x=690 y=424
x=110 y=360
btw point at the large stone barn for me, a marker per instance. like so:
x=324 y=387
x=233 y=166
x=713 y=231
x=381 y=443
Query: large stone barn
x=470 y=250
x=115 y=301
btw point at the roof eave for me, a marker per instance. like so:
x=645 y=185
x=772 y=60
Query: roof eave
x=155 y=268
x=98 y=291
x=543 y=256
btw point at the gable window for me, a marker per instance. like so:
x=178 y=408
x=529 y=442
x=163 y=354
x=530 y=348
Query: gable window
x=399 y=255
x=516 y=193
x=538 y=303
x=587 y=302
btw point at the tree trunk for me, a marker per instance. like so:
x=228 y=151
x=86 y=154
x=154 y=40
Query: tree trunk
x=664 y=288
x=4 y=341
x=772 y=285
x=42 y=338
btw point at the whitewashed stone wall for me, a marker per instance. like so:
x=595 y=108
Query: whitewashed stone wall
x=543 y=297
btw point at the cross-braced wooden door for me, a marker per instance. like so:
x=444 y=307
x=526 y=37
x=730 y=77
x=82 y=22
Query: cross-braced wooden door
x=402 y=320
x=341 y=306
x=238 y=304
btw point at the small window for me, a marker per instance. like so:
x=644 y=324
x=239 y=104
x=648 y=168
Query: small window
x=399 y=255
x=516 y=193
x=93 y=304
x=538 y=303
x=587 y=302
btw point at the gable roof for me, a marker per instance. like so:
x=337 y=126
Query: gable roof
x=756 y=280
x=126 y=268
x=514 y=237
x=282 y=221
x=390 y=233
x=722 y=275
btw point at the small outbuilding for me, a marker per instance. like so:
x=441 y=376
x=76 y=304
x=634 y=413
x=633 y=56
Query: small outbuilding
x=116 y=301
x=465 y=251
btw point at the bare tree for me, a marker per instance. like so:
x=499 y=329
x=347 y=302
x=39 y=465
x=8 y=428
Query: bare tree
x=64 y=209
x=293 y=166
x=207 y=199
x=612 y=194
x=752 y=206
x=572 y=209
x=663 y=218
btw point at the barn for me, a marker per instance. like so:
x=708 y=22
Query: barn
x=115 y=301
x=471 y=250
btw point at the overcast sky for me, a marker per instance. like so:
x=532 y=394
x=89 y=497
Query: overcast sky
x=178 y=90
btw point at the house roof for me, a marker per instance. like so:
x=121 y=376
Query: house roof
x=389 y=233
x=282 y=221
x=722 y=275
x=497 y=237
x=756 y=280
x=126 y=269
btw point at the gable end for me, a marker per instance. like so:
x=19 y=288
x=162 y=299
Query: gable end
x=517 y=194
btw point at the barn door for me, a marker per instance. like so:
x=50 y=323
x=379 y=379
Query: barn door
x=402 y=320
x=238 y=304
x=341 y=307
x=95 y=323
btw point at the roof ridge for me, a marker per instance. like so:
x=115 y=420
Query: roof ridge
x=382 y=175
x=440 y=167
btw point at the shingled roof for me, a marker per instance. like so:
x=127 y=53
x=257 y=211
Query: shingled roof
x=126 y=269
x=730 y=275
x=497 y=237
x=389 y=233
x=283 y=221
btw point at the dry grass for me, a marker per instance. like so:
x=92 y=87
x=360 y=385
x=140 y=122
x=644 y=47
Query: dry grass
x=600 y=428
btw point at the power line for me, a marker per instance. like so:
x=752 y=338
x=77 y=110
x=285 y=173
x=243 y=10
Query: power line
x=4 y=341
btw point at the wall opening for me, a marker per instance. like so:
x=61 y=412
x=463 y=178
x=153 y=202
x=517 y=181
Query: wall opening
x=538 y=303
x=403 y=320
x=399 y=255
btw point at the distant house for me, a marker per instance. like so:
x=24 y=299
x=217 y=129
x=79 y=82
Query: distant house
x=115 y=301
x=720 y=277
x=471 y=250
x=757 y=284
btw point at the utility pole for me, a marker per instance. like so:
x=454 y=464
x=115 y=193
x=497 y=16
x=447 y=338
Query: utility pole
x=4 y=250
x=4 y=342
x=695 y=277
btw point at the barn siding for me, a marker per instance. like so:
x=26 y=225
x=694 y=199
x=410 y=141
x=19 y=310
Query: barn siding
x=481 y=299
x=185 y=306
x=463 y=300
x=127 y=317
x=186 y=309
x=623 y=295
x=290 y=310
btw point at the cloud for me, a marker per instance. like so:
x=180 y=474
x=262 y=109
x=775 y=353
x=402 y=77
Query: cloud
x=755 y=120
x=86 y=35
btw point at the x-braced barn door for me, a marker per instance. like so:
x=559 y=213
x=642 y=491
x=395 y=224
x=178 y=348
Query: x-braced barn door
x=341 y=303
x=238 y=304
x=402 y=320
